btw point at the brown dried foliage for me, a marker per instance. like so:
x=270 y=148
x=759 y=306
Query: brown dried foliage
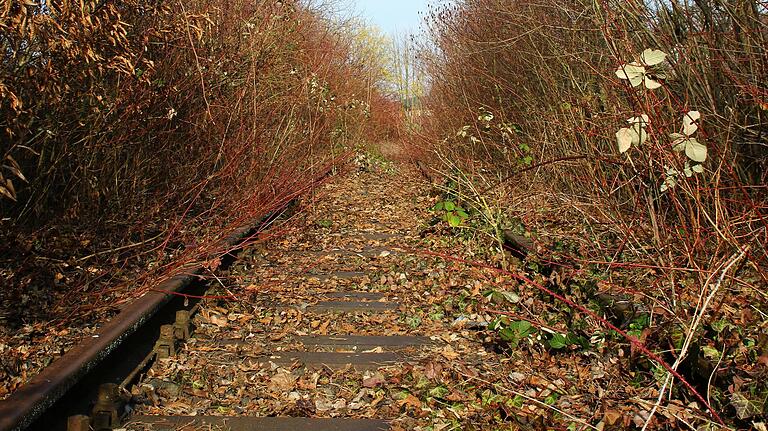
x=547 y=69
x=139 y=125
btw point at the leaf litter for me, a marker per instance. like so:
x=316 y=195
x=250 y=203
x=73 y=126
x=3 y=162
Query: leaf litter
x=367 y=235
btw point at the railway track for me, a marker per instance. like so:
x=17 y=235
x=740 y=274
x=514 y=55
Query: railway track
x=332 y=327
x=74 y=383
x=271 y=360
x=115 y=381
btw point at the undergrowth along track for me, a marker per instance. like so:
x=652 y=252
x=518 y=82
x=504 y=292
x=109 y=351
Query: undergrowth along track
x=344 y=325
x=72 y=383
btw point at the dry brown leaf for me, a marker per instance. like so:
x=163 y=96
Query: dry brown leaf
x=410 y=400
x=283 y=381
x=375 y=380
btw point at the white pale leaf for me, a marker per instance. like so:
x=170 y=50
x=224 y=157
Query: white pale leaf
x=633 y=72
x=630 y=69
x=636 y=80
x=624 y=138
x=695 y=150
x=643 y=118
x=651 y=83
x=639 y=135
x=688 y=172
x=652 y=57
x=643 y=136
x=669 y=183
x=690 y=125
x=698 y=168
x=678 y=141
x=689 y=128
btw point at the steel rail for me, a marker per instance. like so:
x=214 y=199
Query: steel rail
x=31 y=400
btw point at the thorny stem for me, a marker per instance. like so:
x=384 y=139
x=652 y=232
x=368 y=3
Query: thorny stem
x=633 y=340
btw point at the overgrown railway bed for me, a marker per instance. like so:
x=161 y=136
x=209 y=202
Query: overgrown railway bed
x=354 y=317
x=346 y=323
x=116 y=353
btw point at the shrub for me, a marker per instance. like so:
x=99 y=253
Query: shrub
x=633 y=131
x=122 y=122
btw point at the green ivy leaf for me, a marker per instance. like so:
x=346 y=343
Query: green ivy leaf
x=439 y=392
x=499 y=323
x=558 y=341
x=509 y=335
x=454 y=220
x=710 y=353
x=522 y=327
x=745 y=408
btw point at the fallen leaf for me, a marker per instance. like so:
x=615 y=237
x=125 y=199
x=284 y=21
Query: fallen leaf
x=612 y=417
x=410 y=400
x=745 y=408
x=283 y=381
x=218 y=320
x=374 y=380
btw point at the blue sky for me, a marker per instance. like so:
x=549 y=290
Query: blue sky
x=392 y=16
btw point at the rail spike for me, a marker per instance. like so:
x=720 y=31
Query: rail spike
x=165 y=347
x=182 y=326
x=105 y=415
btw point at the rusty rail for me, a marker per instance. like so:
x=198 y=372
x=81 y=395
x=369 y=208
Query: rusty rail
x=30 y=401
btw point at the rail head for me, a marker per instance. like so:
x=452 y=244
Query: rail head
x=27 y=403
x=30 y=401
